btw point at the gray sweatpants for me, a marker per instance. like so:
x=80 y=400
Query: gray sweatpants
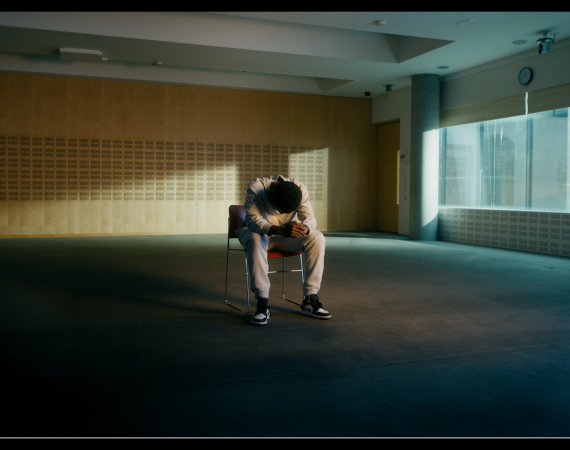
x=257 y=245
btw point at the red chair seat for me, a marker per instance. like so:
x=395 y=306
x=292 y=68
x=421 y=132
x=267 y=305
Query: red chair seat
x=282 y=254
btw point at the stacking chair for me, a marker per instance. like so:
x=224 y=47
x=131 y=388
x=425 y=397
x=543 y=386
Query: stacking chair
x=235 y=219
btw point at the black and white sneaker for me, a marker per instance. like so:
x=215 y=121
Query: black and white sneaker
x=263 y=312
x=312 y=307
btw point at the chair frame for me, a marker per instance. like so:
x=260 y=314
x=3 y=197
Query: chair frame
x=270 y=255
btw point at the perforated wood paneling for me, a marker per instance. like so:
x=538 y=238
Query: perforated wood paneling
x=539 y=232
x=36 y=168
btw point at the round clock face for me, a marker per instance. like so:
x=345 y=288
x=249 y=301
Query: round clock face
x=525 y=75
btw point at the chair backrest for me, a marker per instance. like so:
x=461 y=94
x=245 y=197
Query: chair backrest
x=237 y=216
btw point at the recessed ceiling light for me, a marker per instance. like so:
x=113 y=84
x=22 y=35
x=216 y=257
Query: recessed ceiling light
x=467 y=23
x=520 y=41
x=443 y=67
x=380 y=23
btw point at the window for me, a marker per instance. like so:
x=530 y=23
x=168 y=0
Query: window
x=514 y=163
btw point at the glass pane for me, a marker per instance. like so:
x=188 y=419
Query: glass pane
x=550 y=161
x=460 y=168
x=503 y=168
x=514 y=163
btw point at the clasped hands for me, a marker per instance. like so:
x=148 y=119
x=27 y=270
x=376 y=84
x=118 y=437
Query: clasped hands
x=292 y=229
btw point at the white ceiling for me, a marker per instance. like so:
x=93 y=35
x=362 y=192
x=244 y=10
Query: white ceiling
x=330 y=53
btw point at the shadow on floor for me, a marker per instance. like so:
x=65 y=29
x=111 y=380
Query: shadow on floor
x=82 y=289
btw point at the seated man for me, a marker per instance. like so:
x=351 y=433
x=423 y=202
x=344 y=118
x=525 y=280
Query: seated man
x=271 y=206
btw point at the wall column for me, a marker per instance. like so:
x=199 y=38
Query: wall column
x=424 y=157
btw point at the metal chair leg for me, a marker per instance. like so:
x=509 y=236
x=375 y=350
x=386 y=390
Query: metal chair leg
x=302 y=276
x=227 y=264
x=246 y=275
x=246 y=287
x=246 y=279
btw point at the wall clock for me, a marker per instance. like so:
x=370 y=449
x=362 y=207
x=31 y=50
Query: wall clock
x=525 y=75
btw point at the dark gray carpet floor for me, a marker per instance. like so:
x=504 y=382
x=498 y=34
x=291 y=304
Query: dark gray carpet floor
x=129 y=336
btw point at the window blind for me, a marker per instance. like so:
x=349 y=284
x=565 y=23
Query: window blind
x=541 y=100
x=481 y=112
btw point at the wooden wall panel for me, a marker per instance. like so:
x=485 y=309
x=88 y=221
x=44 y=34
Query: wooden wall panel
x=261 y=120
x=72 y=216
x=96 y=111
x=5 y=103
x=95 y=219
x=84 y=218
x=238 y=123
x=77 y=116
x=61 y=98
x=138 y=110
x=112 y=112
x=4 y=219
x=32 y=217
x=200 y=217
x=128 y=211
x=180 y=219
x=247 y=109
x=224 y=117
x=310 y=120
x=160 y=113
x=189 y=112
x=82 y=156
x=175 y=105
x=43 y=107
x=138 y=207
x=118 y=218
x=166 y=220
x=106 y=217
x=279 y=123
x=49 y=219
x=59 y=212
x=13 y=217
x=205 y=116
x=20 y=119
x=149 y=225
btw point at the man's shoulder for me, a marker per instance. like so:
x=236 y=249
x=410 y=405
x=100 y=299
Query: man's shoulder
x=260 y=182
